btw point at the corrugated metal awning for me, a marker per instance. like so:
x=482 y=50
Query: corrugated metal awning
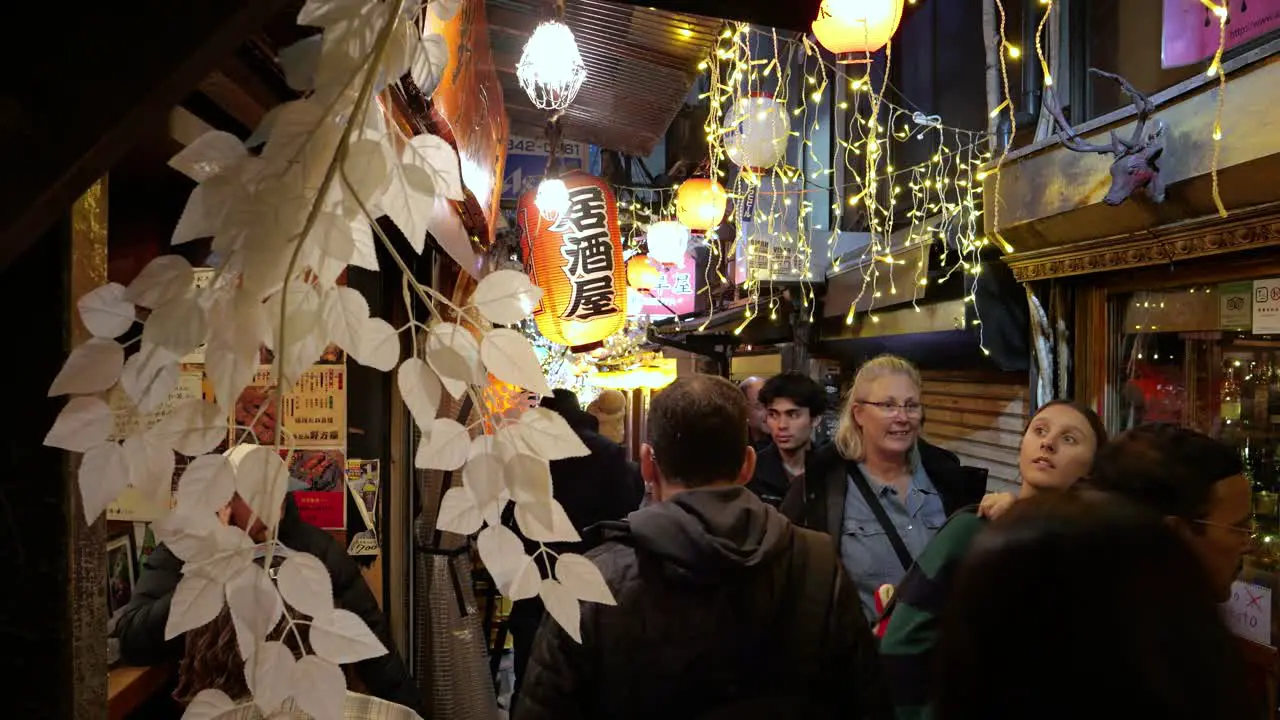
x=640 y=64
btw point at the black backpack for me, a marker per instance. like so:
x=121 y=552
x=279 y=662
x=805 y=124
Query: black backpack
x=815 y=571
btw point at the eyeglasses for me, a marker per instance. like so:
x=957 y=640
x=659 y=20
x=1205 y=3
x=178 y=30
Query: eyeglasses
x=888 y=409
x=1249 y=529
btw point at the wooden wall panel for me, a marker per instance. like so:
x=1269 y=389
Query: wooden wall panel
x=979 y=417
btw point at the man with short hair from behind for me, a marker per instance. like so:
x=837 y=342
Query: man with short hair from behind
x=793 y=403
x=724 y=608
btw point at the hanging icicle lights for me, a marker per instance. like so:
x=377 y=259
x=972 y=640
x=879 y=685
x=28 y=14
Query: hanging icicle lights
x=782 y=209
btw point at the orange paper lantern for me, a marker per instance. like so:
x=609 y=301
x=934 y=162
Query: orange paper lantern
x=854 y=29
x=700 y=204
x=577 y=261
x=643 y=272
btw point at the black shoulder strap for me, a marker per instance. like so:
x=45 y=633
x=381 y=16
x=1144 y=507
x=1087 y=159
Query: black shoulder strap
x=814 y=571
x=899 y=547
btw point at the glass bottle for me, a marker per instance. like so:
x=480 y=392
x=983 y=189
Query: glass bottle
x=1230 y=396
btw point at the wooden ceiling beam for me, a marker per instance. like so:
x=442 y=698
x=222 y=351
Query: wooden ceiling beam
x=71 y=111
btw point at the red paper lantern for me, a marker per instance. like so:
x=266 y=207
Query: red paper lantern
x=700 y=204
x=854 y=29
x=577 y=261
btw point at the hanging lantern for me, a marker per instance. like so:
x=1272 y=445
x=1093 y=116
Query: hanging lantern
x=668 y=242
x=854 y=29
x=643 y=272
x=701 y=204
x=758 y=128
x=552 y=199
x=577 y=261
x=551 y=69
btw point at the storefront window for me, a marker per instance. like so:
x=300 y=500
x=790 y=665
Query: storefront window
x=1208 y=357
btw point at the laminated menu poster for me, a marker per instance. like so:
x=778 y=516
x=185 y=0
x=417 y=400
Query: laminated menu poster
x=313 y=415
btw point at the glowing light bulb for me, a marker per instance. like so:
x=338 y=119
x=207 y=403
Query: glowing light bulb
x=552 y=199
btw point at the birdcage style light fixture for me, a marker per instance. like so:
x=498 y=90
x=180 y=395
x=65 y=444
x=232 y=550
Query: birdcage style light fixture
x=551 y=70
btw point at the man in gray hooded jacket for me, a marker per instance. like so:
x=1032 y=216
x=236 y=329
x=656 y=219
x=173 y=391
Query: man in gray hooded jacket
x=725 y=609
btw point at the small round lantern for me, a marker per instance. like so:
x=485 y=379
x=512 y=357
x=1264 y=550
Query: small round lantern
x=668 y=242
x=854 y=29
x=758 y=128
x=643 y=272
x=701 y=204
x=552 y=199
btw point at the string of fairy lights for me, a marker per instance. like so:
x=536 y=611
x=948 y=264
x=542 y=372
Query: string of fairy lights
x=774 y=208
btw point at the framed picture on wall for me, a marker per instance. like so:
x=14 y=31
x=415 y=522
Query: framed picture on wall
x=122 y=570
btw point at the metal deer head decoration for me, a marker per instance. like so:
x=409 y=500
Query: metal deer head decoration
x=1135 y=165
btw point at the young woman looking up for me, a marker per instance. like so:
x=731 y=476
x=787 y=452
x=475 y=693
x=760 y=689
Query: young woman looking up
x=1057 y=450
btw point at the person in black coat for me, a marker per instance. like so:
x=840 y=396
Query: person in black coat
x=141 y=625
x=603 y=485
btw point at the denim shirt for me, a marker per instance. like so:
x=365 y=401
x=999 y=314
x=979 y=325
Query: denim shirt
x=865 y=549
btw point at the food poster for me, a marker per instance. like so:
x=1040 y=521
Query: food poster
x=364 y=482
x=131 y=504
x=316 y=479
x=313 y=415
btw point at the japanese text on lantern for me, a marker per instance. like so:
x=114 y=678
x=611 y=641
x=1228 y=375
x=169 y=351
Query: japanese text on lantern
x=588 y=252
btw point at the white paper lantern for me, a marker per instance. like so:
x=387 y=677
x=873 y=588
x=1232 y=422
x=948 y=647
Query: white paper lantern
x=552 y=199
x=668 y=242
x=551 y=69
x=758 y=129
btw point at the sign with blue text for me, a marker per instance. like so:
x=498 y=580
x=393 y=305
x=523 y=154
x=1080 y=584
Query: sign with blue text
x=527 y=163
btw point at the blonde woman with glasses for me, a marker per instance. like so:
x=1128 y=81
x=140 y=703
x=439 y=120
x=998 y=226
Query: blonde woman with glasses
x=880 y=491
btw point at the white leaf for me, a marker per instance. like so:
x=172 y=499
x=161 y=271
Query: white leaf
x=210 y=154
x=428 y=60
x=84 y=422
x=209 y=704
x=504 y=557
x=150 y=468
x=365 y=169
x=444 y=10
x=195 y=602
x=194 y=428
x=180 y=324
x=345 y=313
x=420 y=389
x=445 y=448
x=233 y=553
x=207 y=484
x=528 y=479
x=537 y=529
x=269 y=673
x=262 y=480
x=328 y=248
x=191 y=536
x=305 y=584
x=582 y=579
x=407 y=207
x=199 y=218
x=342 y=637
x=103 y=475
x=163 y=279
x=379 y=345
x=149 y=376
x=545 y=434
x=230 y=369
x=323 y=13
x=363 y=253
x=431 y=167
x=505 y=297
x=320 y=688
x=453 y=353
x=299 y=62
x=91 y=368
x=458 y=512
x=255 y=604
x=106 y=312
x=509 y=356
x=483 y=476
x=563 y=606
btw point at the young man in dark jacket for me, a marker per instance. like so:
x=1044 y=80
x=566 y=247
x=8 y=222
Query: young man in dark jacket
x=793 y=403
x=140 y=627
x=724 y=608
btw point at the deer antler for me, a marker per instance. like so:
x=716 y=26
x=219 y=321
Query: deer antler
x=1069 y=138
x=1141 y=103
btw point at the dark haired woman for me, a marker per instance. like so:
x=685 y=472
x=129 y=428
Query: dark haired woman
x=1041 y=603
x=1057 y=450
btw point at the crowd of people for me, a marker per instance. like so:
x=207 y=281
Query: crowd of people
x=760 y=575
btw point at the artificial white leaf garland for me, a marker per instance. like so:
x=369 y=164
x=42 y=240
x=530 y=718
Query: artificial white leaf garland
x=285 y=223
